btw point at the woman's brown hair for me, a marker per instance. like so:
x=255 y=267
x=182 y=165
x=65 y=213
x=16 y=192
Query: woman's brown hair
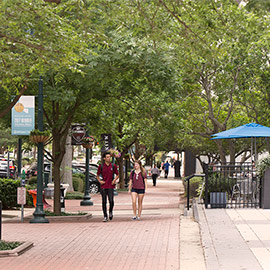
x=141 y=168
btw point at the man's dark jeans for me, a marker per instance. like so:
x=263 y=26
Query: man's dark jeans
x=166 y=173
x=104 y=193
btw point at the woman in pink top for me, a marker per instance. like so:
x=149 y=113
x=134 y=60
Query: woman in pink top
x=137 y=188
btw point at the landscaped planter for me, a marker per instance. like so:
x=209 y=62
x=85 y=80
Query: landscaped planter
x=16 y=251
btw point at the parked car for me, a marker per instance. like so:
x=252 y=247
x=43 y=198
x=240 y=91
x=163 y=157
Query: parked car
x=94 y=186
x=32 y=170
x=4 y=168
x=92 y=167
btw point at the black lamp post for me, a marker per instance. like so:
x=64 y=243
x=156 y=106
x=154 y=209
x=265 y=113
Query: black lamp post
x=87 y=199
x=39 y=215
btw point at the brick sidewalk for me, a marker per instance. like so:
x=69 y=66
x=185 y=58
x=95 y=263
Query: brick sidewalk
x=152 y=243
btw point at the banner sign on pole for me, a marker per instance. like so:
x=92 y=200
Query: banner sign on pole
x=78 y=133
x=106 y=142
x=23 y=116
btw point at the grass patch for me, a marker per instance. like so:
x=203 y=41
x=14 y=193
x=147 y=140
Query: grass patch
x=9 y=245
x=74 y=196
x=52 y=214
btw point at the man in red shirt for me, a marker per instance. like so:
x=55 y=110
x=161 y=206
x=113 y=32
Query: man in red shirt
x=108 y=171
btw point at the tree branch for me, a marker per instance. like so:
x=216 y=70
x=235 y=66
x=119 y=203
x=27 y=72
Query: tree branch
x=10 y=106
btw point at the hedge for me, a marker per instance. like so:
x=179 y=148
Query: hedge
x=8 y=192
x=194 y=184
x=32 y=180
x=74 y=195
x=78 y=184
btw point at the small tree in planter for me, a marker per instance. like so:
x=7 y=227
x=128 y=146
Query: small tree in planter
x=37 y=136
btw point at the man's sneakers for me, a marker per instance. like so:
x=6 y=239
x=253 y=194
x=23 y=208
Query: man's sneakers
x=105 y=219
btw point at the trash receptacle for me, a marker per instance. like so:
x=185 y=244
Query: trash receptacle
x=46 y=179
x=62 y=198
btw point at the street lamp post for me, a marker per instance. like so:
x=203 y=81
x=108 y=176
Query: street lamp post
x=87 y=199
x=39 y=215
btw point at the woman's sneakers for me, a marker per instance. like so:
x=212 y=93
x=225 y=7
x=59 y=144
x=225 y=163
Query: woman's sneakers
x=136 y=218
x=105 y=219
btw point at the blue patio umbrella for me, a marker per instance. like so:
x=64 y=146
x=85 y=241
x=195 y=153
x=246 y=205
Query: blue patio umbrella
x=251 y=130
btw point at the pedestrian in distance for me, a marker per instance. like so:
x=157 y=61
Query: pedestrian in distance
x=137 y=188
x=166 y=168
x=155 y=173
x=109 y=174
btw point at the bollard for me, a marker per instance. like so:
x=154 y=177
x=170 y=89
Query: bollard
x=62 y=198
x=0 y=220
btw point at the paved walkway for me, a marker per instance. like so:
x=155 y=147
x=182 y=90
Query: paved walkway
x=158 y=241
x=235 y=238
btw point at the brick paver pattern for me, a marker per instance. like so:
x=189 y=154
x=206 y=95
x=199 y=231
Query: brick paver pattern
x=151 y=243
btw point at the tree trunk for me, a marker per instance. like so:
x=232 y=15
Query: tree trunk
x=66 y=165
x=121 y=172
x=221 y=152
x=232 y=152
x=56 y=174
x=58 y=154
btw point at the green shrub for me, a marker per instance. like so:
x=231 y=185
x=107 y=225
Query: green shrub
x=9 y=245
x=194 y=184
x=262 y=165
x=78 y=183
x=32 y=181
x=74 y=195
x=218 y=183
x=81 y=175
x=8 y=192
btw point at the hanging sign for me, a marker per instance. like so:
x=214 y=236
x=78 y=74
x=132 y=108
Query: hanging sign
x=78 y=132
x=23 y=116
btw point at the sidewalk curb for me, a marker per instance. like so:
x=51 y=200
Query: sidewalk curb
x=16 y=251
x=195 y=210
x=54 y=219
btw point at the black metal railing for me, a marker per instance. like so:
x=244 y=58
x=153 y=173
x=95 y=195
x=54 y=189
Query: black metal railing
x=188 y=189
x=231 y=186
